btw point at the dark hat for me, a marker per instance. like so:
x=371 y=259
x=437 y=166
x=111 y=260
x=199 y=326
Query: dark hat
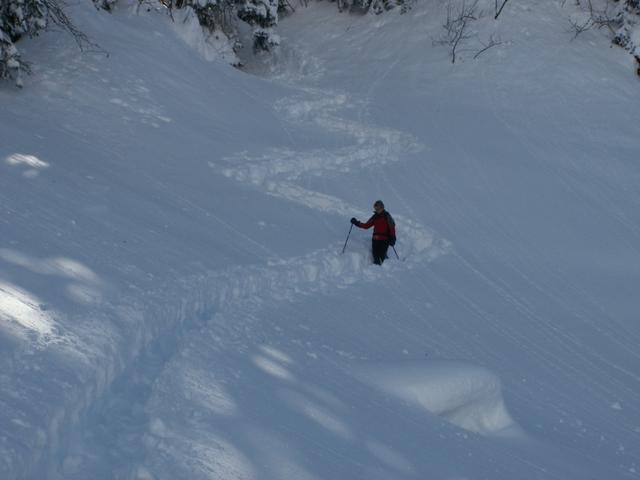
x=379 y=202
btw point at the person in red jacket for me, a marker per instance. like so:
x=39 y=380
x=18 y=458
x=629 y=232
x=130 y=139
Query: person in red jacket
x=384 y=231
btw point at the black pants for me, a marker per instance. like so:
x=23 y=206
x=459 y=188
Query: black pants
x=379 y=250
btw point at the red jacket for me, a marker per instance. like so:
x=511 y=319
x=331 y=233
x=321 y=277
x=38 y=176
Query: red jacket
x=383 y=225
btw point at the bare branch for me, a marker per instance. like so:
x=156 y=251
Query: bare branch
x=596 y=19
x=493 y=42
x=57 y=16
x=499 y=10
x=456 y=26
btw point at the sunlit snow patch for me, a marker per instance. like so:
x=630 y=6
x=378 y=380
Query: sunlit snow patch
x=26 y=160
x=464 y=394
x=86 y=287
x=202 y=388
x=21 y=313
x=31 y=163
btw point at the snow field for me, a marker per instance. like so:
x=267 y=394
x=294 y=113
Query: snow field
x=172 y=299
x=236 y=293
x=63 y=440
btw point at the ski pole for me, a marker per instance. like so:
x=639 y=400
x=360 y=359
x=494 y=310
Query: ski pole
x=394 y=249
x=345 y=242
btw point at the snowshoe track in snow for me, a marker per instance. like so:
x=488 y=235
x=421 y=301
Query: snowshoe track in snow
x=277 y=171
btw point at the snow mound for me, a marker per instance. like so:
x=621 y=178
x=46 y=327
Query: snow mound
x=467 y=395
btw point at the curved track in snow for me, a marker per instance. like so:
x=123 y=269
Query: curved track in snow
x=278 y=171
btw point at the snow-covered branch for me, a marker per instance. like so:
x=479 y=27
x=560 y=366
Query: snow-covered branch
x=620 y=18
x=27 y=18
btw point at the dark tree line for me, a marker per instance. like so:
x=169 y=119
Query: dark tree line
x=27 y=18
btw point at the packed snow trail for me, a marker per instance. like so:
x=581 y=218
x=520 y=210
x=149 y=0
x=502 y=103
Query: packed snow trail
x=279 y=171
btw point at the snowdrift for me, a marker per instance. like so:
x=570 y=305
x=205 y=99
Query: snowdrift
x=464 y=394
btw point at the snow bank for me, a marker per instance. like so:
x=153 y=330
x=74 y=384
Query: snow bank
x=464 y=394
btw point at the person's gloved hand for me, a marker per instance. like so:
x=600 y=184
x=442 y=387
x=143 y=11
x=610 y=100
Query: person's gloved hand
x=392 y=241
x=354 y=221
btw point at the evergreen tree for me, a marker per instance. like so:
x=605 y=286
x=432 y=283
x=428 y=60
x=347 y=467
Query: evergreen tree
x=262 y=15
x=11 y=66
x=105 y=4
x=627 y=20
x=212 y=14
x=24 y=17
x=18 y=18
x=376 y=6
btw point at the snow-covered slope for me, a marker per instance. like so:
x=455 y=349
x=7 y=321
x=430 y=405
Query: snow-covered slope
x=173 y=302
